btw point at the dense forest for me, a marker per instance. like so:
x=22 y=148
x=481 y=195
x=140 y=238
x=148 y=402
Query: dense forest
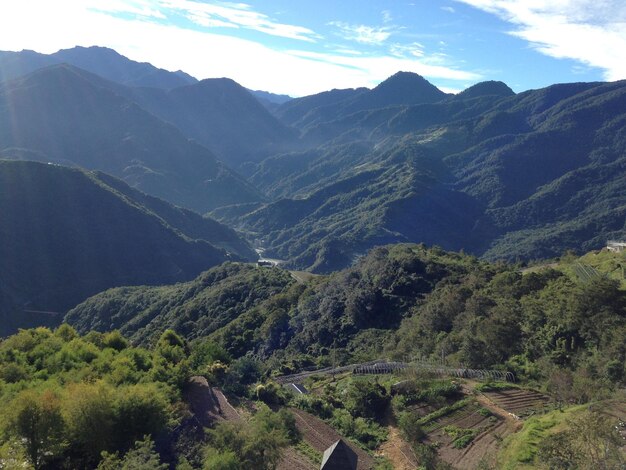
x=398 y=301
x=559 y=329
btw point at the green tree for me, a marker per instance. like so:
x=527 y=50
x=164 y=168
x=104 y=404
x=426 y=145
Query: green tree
x=221 y=460
x=89 y=412
x=140 y=410
x=366 y=399
x=37 y=420
x=409 y=424
x=257 y=445
x=142 y=456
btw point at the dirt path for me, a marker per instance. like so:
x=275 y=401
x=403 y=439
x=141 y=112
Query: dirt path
x=398 y=451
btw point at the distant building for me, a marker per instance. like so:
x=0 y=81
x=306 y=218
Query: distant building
x=616 y=246
x=339 y=456
x=264 y=263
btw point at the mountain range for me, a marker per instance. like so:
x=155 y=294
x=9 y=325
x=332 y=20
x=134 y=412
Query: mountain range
x=101 y=61
x=328 y=176
x=65 y=115
x=498 y=174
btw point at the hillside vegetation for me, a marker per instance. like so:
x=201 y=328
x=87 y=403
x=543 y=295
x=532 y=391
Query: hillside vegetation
x=398 y=301
x=559 y=329
x=97 y=402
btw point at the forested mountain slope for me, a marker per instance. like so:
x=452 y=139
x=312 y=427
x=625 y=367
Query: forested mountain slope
x=66 y=234
x=221 y=115
x=398 y=301
x=497 y=174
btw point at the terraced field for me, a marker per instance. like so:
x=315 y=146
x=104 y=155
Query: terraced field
x=468 y=435
x=518 y=402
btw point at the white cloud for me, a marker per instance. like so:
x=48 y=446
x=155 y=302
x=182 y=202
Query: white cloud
x=204 y=54
x=414 y=49
x=143 y=8
x=448 y=9
x=208 y=22
x=368 y=71
x=370 y=35
x=236 y=15
x=591 y=32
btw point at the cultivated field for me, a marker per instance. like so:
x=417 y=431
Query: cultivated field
x=519 y=402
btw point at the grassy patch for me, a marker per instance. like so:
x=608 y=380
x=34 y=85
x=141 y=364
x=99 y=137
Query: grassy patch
x=519 y=450
x=309 y=452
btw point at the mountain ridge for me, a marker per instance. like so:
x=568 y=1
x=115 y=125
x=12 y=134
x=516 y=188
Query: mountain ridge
x=67 y=234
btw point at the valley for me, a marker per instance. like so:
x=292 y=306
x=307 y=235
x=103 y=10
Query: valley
x=228 y=279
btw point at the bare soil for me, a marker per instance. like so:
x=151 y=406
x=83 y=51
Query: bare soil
x=293 y=460
x=398 y=451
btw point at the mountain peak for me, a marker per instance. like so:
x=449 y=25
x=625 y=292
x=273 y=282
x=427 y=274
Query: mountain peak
x=406 y=88
x=487 y=88
x=113 y=66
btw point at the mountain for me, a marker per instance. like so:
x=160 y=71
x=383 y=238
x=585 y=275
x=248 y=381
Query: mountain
x=447 y=318
x=63 y=114
x=293 y=111
x=271 y=101
x=218 y=113
x=489 y=88
x=403 y=88
x=266 y=96
x=101 y=61
x=66 y=234
x=113 y=66
x=395 y=301
x=221 y=115
x=17 y=64
x=401 y=195
x=497 y=174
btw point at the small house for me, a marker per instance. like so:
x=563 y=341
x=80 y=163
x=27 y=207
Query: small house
x=339 y=456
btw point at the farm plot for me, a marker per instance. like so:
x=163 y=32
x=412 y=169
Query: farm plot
x=518 y=402
x=467 y=435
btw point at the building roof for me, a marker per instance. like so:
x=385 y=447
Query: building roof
x=299 y=388
x=339 y=456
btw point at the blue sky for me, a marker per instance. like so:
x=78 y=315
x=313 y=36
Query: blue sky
x=303 y=47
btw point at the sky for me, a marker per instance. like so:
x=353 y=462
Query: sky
x=301 y=47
